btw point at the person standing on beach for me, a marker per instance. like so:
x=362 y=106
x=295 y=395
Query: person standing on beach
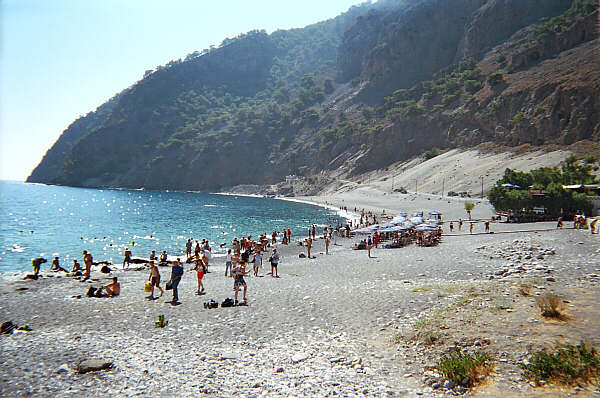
x=238 y=281
x=154 y=279
x=36 y=263
x=369 y=246
x=200 y=271
x=289 y=231
x=327 y=240
x=460 y=223
x=197 y=249
x=257 y=262
x=451 y=226
x=188 y=248
x=274 y=263
x=176 y=274
x=471 y=228
x=127 y=259
x=228 y=258
x=314 y=231
x=87 y=261
x=487 y=227
x=308 y=246
x=376 y=239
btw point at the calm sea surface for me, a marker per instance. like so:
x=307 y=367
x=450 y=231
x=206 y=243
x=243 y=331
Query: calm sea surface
x=40 y=220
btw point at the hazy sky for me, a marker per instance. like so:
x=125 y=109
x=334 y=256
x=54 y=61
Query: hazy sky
x=60 y=59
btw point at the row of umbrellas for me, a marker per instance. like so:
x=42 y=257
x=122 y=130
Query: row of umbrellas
x=403 y=222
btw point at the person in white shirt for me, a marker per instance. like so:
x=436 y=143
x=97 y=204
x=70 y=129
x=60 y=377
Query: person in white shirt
x=228 y=262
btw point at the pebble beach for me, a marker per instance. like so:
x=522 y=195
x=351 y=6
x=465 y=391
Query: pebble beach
x=327 y=326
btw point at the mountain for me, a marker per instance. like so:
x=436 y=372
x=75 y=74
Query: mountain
x=380 y=83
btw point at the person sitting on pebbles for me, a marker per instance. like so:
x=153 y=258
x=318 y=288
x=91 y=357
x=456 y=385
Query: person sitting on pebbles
x=55 y=267
x=113 y=289
x=76 y=267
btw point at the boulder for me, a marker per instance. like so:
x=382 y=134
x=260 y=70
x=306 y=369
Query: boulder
x=93 y=365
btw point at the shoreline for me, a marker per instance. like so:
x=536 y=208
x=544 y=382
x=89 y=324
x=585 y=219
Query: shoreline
x=341 y=324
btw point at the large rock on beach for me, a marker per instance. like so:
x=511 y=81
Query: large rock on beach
x=93 y=365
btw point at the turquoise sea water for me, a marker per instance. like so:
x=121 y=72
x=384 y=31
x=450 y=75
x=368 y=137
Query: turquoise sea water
x=42 y=220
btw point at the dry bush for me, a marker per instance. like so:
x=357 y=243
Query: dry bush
x=551 y=306
x=525 y=290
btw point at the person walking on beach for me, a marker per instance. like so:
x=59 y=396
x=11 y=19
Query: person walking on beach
x=154 y=279
x=36 y=263
x=460 y=223
x=327 y=240
x=176 y=274
x=127 y=259
x=238 y=281
x=200 y=271
x=369 y=246
x=471 y=228
x=228 y=258
x=487 y=227
x=376 y=239
x=274 y=263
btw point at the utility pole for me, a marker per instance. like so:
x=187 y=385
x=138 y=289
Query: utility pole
x=481 y=187
x=443 y=183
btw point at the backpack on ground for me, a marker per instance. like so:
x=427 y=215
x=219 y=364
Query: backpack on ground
x=227 y=303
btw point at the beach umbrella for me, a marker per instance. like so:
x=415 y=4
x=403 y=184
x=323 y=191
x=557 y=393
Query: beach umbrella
x=418 y=214
x=425 y=227
x=416 y=220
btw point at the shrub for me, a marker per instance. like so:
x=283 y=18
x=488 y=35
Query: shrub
x=161 y=323
x=550 y=305
x=569 y=364
x=517 y=118
x=464 y=369
x=495 y=78
x=430 y=154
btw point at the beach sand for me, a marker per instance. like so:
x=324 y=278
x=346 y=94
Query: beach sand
x=341 y=324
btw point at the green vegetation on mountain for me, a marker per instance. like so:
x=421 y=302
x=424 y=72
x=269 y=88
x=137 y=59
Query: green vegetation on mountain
x=377 y=84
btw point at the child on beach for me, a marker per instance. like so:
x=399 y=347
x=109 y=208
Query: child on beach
x=257 y=262
x=154 y=279
x=274 y=262
x=238 y=281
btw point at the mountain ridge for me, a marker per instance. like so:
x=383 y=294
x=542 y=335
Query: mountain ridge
x=319 y=98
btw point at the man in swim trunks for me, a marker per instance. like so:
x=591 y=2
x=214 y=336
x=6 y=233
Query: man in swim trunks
x=154 y=279
x=127 y=259
x=36 y=263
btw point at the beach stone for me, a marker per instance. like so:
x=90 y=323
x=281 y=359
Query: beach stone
x=93 y=365
x=64 y=368
x=7 y=327
x=299 y=357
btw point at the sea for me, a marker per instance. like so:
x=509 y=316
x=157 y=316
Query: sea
x=48 y=221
